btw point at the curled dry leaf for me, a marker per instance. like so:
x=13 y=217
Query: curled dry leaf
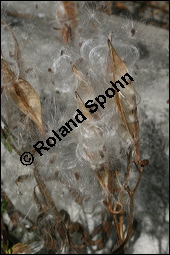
x=27 y=100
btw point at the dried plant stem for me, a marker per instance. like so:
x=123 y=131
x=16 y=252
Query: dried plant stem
x=44 y=191
x=108 y=187
x=130 y=227
x=76 y=194
x=131 y=206
x=121 y=227
x=116 y=225
x=139 y=178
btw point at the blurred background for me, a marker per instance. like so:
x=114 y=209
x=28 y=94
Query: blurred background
x=151 y=12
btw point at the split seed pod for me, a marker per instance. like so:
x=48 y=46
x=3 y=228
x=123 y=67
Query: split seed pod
x=125 y=99
x=27 y=100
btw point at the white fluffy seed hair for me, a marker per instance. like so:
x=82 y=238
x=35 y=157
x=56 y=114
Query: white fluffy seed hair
x=48 y=66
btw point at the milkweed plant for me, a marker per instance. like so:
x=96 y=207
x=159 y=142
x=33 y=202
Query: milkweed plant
x=79 y=196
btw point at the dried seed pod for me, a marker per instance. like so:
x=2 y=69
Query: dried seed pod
x=17 y=54
x=8 y=76
x=83 y=87
x=66 y=14
x=27 y=100
x=82 y=106
x=125 y=99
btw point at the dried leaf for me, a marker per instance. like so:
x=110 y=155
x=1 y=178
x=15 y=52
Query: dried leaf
x=27 y=100
x=20 y=248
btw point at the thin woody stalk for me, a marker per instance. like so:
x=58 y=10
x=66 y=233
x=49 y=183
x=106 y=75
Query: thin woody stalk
x=44 y=191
